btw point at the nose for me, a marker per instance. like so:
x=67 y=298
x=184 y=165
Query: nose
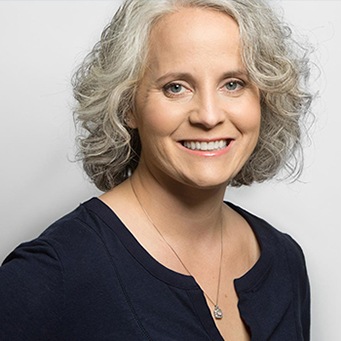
x=207 y=111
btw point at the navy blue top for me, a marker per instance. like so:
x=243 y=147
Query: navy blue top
x=87 y=278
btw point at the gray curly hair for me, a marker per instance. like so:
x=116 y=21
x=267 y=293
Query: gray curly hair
x=105 y=86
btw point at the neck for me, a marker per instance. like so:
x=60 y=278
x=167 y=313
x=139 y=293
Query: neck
x=190 y=233
x=193 y=212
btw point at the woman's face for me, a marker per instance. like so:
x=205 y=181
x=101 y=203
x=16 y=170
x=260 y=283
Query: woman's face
x=197 y=113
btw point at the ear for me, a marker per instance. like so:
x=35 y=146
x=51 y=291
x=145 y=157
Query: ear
x=130 y=120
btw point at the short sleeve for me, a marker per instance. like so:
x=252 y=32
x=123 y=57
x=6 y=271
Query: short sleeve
x=31 y=293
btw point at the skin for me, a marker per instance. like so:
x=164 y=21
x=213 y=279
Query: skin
x=195 y=89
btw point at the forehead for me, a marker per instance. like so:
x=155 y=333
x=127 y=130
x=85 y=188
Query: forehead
x=192 y=30
x=191 y=35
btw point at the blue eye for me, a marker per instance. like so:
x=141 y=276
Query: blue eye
x=174 y=88
x=233 y=85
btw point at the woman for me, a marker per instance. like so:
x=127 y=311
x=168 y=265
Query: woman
x=179 y=99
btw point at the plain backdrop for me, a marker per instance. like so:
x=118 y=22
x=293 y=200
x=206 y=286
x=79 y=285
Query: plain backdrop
x=42 y=42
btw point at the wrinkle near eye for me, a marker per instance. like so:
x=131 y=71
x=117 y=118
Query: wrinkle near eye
x=174 y=90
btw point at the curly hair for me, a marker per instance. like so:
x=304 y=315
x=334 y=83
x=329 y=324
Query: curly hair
x=105 y=86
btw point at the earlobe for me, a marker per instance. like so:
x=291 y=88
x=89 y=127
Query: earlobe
x=130 y=120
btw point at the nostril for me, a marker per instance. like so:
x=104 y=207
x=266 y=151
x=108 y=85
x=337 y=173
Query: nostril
x=206 y=118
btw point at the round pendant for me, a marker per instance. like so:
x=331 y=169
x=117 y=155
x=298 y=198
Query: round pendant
x=218 y=314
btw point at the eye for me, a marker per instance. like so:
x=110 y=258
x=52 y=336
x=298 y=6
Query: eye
x=174 y=89
x=234 y=85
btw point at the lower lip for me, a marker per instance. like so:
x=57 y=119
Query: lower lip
x=209 y=153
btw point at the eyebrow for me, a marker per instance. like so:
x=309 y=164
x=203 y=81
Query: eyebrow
x=185 y=75
x=236 y=73
x=174 y=75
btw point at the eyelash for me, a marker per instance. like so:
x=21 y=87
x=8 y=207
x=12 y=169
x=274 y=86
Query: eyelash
x=166 y=89
x=238 y=83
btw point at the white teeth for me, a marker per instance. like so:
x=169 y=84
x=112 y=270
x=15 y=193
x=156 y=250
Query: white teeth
x=194 y=145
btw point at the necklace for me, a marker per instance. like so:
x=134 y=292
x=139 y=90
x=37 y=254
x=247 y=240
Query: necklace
x=217 y=312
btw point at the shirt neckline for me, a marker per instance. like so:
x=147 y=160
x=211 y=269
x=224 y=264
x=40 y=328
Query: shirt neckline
x=246 y=282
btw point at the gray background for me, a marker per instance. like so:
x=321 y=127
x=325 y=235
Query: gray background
x=42 y=42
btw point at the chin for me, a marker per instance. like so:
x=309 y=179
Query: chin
x=207 y=183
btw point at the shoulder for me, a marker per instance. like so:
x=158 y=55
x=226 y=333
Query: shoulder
x=266 y=232
x=281 y=264
x=72 y=225
x=32 y=284
x=49 y=276
x=277 y=288
x=74 y=232
x=69 y=238
x=275 y=243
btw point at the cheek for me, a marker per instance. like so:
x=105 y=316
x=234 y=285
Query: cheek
x=248 y=120
x=246 y=113
x=160 y=118
x=254 y=113
x=255 y=121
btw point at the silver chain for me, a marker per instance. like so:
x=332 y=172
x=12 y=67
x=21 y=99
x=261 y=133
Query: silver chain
x=217 y=312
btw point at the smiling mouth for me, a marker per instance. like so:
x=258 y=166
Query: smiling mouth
x=206 y=146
